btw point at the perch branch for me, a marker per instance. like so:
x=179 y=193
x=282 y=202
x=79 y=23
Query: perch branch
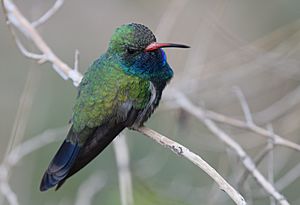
x=197 y=160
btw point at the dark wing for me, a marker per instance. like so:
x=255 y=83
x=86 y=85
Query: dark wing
x=98 y=141
x=71 y=156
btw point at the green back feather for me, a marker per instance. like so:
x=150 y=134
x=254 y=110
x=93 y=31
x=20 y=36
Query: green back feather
x=103 y=89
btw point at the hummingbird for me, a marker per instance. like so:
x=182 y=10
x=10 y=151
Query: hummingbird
x=121 y=89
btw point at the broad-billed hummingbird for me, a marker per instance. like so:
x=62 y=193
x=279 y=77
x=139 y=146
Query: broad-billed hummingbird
x=120 y=89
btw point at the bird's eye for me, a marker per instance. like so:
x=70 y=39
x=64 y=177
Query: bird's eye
x=131 y=50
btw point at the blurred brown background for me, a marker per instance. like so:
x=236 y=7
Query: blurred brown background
x=250 y=44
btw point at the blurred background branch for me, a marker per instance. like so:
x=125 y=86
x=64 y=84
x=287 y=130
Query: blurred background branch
x=124 y=173
x=186 y=104
x=89 y=188
x=18 y=153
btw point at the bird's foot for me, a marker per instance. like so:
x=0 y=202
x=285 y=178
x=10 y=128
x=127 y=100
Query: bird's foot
x=135 y=126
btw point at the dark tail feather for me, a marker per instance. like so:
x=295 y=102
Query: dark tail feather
x=60 y=165
x=99 y=140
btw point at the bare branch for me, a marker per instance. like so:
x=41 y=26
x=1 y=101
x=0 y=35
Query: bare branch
x=244 y=104
x=27 y=53
x=258 y=159
x=48 y=14
x=197 y=160
x=122 y=159
x=76 y=60
x=288 y=178
x=271 y=163
x=246 y=160
x=7 y=192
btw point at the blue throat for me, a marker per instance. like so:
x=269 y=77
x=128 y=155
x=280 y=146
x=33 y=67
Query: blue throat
x=151 y=66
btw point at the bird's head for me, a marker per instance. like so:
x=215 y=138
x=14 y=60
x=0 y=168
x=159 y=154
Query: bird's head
x=136 y=47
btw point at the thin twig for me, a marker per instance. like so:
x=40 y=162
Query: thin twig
x=271 y=164
x=56 y=6
x=288 y=178
x=76 y=60
x=246 y=109
x=27 y=53
x=258 y=159
x=8 y=192
x=251 y=125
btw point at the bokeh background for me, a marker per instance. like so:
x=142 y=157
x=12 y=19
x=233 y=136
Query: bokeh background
x=250 y=44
